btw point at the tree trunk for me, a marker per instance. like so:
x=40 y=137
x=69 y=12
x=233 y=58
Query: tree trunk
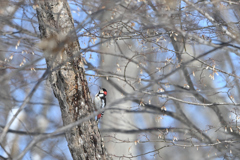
x=67 y=78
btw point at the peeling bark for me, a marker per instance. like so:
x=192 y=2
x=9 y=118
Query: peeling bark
x=67 y=78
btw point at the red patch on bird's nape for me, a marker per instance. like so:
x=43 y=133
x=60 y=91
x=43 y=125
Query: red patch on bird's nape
x=105 y=93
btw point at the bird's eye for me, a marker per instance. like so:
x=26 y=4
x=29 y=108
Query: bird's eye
x=105 y=92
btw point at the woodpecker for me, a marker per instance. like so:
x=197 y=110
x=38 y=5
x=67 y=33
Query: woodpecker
x=100 y=101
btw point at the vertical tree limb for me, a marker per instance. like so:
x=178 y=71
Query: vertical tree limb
x=68 y=82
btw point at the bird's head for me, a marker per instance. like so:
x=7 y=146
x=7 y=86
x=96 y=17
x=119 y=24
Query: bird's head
x=103 y=91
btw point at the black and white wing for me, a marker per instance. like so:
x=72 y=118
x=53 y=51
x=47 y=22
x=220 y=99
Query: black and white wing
x=103 y=102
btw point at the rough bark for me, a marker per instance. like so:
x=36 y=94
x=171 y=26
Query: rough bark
x=67 y=79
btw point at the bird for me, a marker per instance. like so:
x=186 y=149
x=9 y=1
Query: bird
x=100 y=101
